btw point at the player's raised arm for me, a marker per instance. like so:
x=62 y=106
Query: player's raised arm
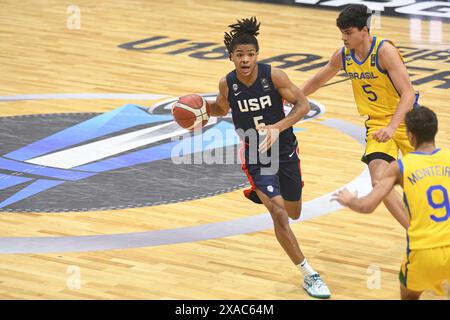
x=291 y=93
x=390 y=60
x=324 y=75
x=221 y=107
x=368 y=203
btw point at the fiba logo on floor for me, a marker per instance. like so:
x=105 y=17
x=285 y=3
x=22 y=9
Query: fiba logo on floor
x=119 y=159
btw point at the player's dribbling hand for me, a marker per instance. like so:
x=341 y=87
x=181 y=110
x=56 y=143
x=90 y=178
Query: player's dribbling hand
x=344 y=197
x=384 y=134
x=271 y=133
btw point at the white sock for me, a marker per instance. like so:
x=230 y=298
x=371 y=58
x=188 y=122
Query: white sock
x=305 y=268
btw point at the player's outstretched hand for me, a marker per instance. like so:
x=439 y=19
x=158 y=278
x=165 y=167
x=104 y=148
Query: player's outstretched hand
x=384 y=134
x=344 y=197
x=271 y=133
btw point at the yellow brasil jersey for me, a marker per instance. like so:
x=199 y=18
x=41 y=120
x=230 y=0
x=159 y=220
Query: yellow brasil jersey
x=426 y=185
x=374 y=92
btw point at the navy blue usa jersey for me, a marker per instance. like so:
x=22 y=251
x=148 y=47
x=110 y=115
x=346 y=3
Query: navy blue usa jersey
x=259 y=103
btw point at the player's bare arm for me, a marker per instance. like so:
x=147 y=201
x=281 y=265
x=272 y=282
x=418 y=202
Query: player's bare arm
x=391 y=62
x=368 y=203
x=221 y=107
x=291 y=93
x=324 y=75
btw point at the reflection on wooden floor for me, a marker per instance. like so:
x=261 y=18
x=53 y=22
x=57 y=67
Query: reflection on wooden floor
x=41 y=55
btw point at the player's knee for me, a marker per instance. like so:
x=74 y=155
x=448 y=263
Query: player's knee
x=294 y=214
x=406 y=294
x=279 y=215
x=409 y=296
x=374 y=182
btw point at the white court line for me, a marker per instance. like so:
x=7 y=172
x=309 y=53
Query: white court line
x=94 y=151
x=73 y=96
x=311 y=209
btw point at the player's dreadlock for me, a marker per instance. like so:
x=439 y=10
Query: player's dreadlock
x=242 y=32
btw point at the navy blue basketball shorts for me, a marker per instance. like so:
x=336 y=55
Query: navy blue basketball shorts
x=287 y=182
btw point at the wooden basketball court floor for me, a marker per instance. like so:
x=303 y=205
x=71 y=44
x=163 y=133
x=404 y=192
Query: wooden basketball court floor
x=358 y=255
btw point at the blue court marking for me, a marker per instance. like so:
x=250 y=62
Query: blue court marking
x=311 y=209
x=29 y=168
x=122 y=118
x=7 y=181
x=30 y=190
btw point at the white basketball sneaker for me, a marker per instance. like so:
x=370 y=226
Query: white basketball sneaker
x=315 y=287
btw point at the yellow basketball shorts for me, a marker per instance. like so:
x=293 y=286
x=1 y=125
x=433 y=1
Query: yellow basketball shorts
x=427 y=269
x=390 y=148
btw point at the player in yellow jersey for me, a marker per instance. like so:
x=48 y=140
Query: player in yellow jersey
x=382 y=91
x=425 y=177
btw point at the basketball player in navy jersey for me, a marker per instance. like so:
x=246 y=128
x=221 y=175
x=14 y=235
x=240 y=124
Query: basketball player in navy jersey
x=254 y=92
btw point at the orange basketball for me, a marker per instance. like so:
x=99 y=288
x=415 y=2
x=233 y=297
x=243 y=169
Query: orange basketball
x=191 y=111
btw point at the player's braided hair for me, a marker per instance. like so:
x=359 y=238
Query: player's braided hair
x=242 y=32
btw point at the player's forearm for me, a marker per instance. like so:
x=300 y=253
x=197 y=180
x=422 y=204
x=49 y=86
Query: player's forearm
x=319 y=79
x=299 y=110
x=362 y=205
x=311 y=86
x=405 y=104
x=369 y=203
x=215 y=110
